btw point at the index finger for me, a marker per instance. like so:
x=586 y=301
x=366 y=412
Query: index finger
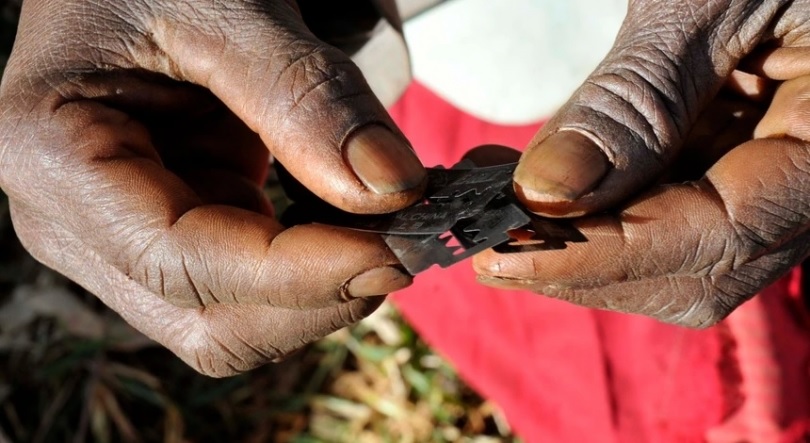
x=105 y=183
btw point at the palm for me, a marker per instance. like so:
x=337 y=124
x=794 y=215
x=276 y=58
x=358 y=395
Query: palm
x=209 y=148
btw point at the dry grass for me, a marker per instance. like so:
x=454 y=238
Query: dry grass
x=72 y=371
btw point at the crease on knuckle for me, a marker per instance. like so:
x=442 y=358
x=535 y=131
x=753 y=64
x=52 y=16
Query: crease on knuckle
x=658 y=305
x=349 y=314
x=653 y=60
x=166 y=271
x=777 y=222
x=741 y=26
x=313 y=75
x=210 y=354
x=728 y=260
x=740 y=243
x=634 y=104
x=707 y=307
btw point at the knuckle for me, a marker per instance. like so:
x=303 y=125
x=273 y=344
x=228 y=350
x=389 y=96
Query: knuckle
x=719 y=248
x=700 y=316
x=751 y=238
x=641 y=90
x=218 y=354
x=741 y=27
x=768 y=224
x=180 y=278
x=368 y=307
x=716 y=254
x=207 y=362
x=766 y=214
x=350 y=314
x=713 y=302
x=313 y=73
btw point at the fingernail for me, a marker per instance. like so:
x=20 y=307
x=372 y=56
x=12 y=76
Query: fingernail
x=383 y=161
x=378 y=281
x=564 y=167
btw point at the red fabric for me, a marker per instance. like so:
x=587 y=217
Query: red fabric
x=567 y=374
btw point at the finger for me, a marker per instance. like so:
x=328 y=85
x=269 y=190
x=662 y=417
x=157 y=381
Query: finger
x=690 y=253
x=787 y=115
x=752 y=87
x=219 y=340
x=307 y=100
x=309 y=207
x=104 y=184
x=781 y=63
x=492 y=155
x=727 y=122
x=627 y=122
x=654 y=236
x=685 y=300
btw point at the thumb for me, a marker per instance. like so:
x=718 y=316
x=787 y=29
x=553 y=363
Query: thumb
x=627 y=122
x=307 y=100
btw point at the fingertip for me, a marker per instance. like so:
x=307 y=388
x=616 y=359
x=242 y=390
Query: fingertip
x=487 y=263
x=507 y=268
x=559 y=170
x=492 y=155
x=499 y=272
x=492 y=265
x=376 y=282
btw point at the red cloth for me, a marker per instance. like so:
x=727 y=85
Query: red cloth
x=567 y=374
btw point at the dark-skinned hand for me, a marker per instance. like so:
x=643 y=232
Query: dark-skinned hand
x=689 y=149
x=135 y=137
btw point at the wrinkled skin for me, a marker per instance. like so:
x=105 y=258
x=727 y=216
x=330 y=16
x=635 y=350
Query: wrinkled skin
x=696 y=126
x=135 y=137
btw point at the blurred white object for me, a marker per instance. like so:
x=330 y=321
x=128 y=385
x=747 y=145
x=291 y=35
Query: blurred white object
x=410 y=8
x=390 y=78
x=511 y=61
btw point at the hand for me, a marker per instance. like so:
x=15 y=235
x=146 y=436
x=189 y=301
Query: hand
x=709 y=91
x=134 y=141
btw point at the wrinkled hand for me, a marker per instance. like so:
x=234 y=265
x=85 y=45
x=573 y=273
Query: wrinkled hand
x=714 y=92
x=134 y=141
